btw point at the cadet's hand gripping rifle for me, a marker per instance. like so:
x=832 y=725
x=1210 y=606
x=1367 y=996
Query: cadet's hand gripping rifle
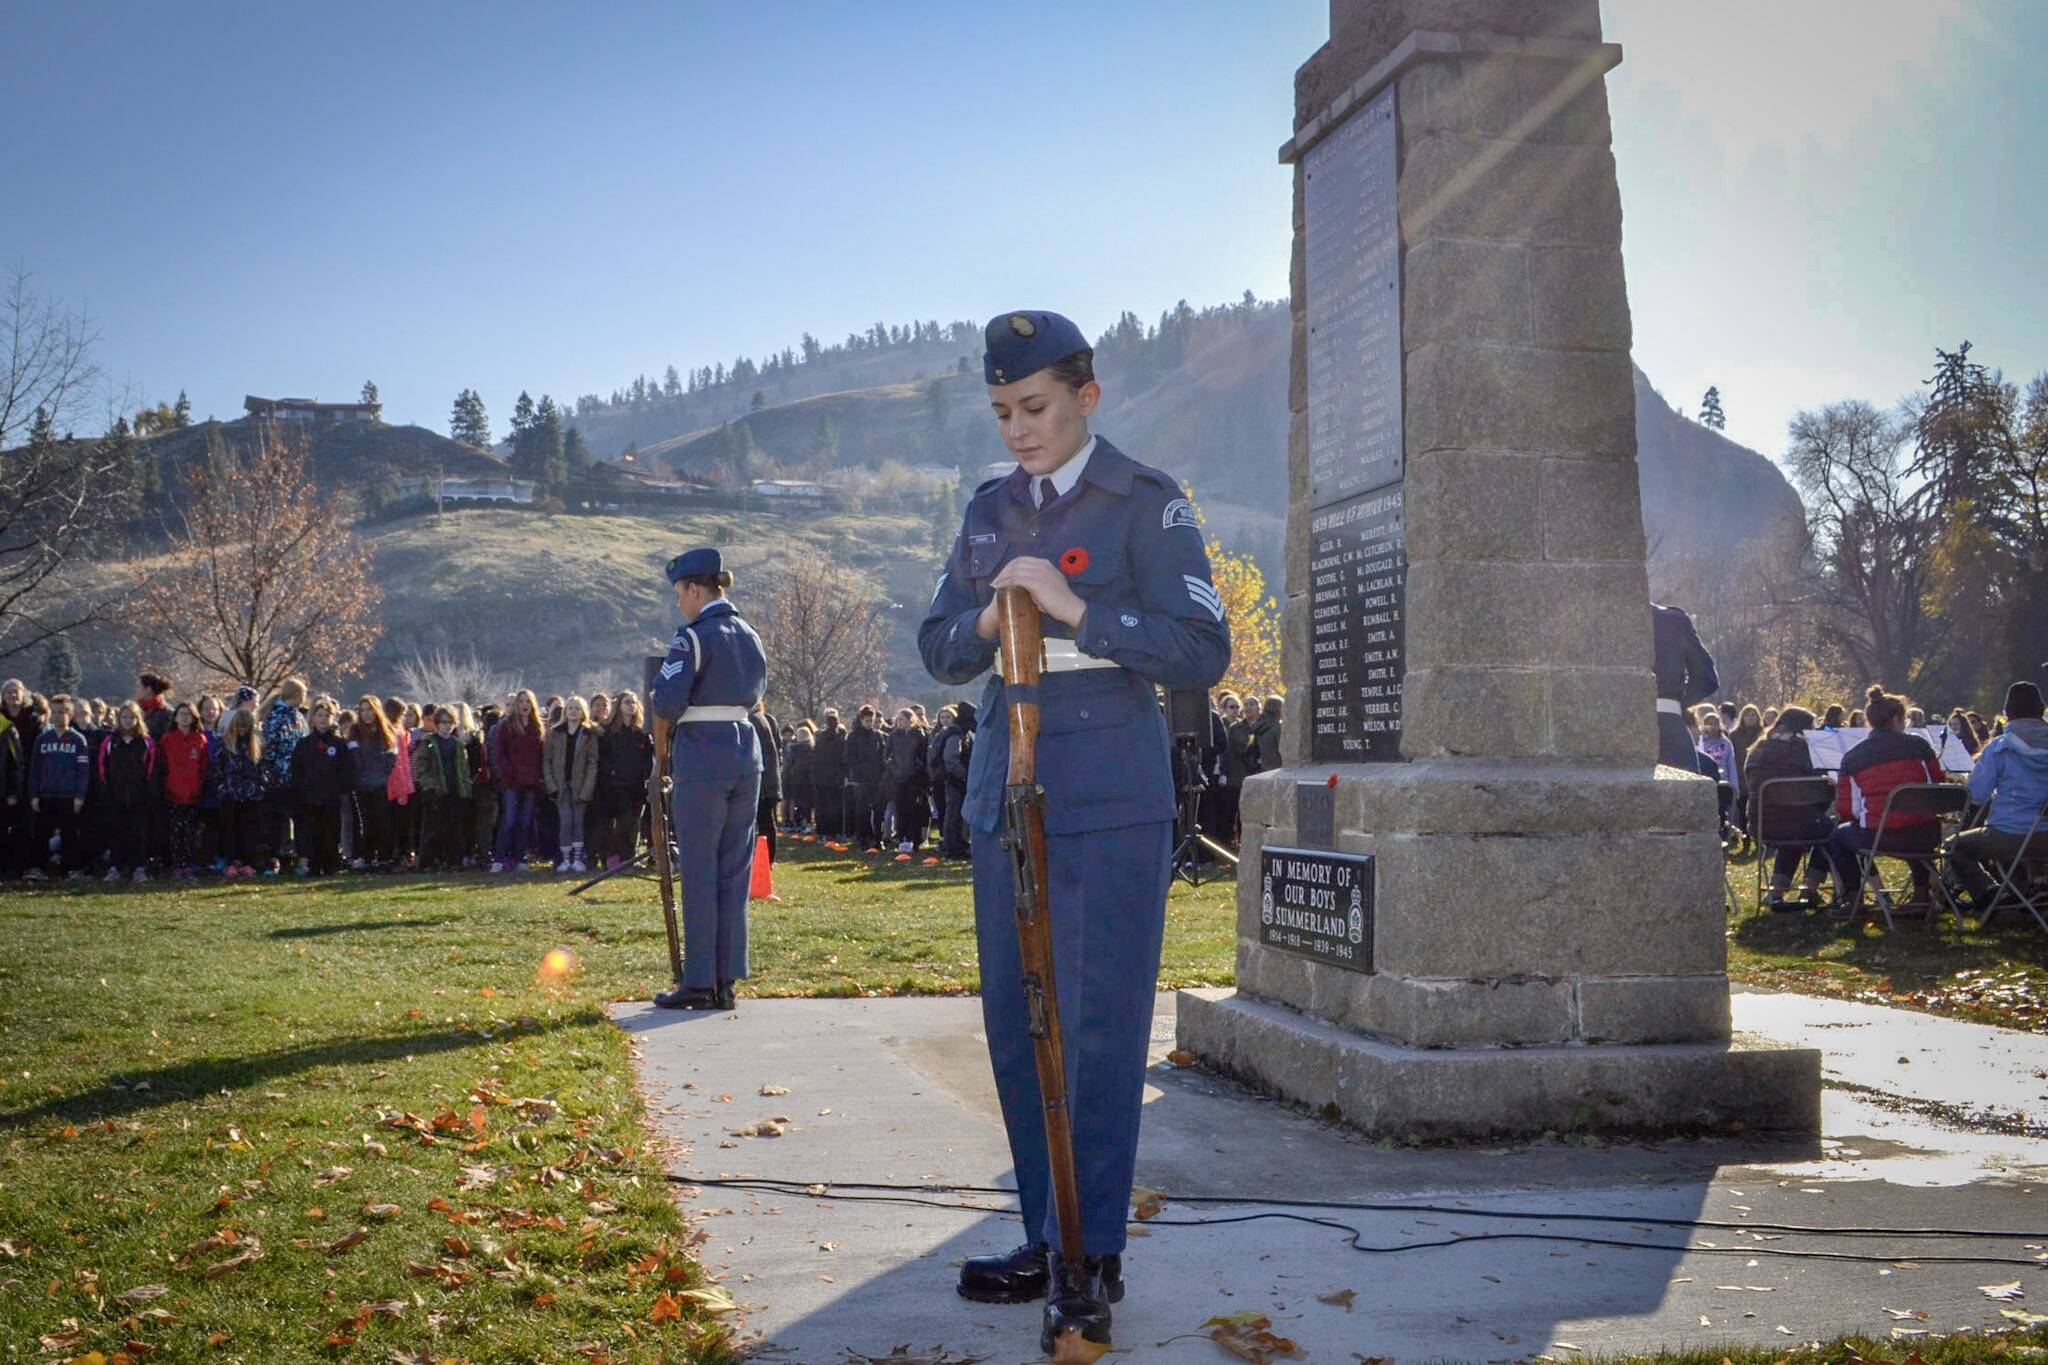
x=1022 y=645
x=659 y=821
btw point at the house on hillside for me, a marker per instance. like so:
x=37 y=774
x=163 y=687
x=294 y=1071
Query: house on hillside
x=495 y=488
x=791 y=490
x=642 y=478
x=311 y=411
x=944 y=473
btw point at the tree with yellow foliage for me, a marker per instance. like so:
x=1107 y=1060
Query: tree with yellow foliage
x=1253 y=616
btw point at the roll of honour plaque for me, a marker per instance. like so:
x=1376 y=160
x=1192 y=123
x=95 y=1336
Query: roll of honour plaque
x=1358 y=561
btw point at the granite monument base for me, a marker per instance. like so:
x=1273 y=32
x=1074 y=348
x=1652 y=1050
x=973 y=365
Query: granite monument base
x=1548 y=951
x=1743 y=1084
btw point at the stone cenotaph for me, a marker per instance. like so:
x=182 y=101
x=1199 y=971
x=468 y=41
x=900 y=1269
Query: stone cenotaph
x=1472 y=903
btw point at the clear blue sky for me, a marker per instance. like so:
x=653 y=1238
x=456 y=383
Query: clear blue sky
x=284 y=199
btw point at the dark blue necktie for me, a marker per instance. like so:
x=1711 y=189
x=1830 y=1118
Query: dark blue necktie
x=1046 y=493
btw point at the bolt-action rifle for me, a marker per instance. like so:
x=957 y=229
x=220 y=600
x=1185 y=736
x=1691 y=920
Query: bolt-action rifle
x=1022 y=641
x=659 y=822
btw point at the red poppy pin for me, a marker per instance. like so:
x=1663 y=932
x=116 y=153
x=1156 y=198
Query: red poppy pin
x=1074 y=561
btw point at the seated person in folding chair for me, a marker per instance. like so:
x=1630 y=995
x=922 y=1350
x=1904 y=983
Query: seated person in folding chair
x=1782 y=753
x=1714 y=744
x=1889 y=758
x=2011 y=774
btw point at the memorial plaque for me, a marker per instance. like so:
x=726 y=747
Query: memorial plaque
x=1358 y=589
x=1318 y=904
x=1354 y=306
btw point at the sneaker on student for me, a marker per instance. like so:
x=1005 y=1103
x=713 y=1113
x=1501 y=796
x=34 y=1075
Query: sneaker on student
x=77 y=874
x=906 y=847
x=141 y=875
x=113 y=875
x=36 y=874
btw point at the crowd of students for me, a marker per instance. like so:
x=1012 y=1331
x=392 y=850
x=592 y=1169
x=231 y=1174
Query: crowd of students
x=240 y=786
x=1831 y=827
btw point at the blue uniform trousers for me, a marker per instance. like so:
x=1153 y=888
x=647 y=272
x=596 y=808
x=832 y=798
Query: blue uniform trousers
x=714 y=819
x=1108 y=896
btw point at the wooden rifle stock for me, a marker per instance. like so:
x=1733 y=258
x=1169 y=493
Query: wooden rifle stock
x=659 y=821
x=1022 y=643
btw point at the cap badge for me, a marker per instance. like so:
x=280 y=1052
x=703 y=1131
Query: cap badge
x=1023 y=326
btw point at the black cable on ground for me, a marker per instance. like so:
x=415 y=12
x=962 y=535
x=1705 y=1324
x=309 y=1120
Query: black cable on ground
x=910 y=1195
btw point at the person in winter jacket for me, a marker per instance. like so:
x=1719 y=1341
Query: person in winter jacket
x=1783 y=754
x=771 y=776
x=59 y=780
x=244 y=783
x=126 y=772
x=515 y=760
x=2011 y=775
x=867 y=756
x=323 y=779
x=908 y=797
x=956 y=752
x=828 y=777
x=149 y=695
x=17 y=821
x=440 y=774
x=625 y=757
x=1889 y=758
x=284 y=725
x=796 y=774
x=184 y=765
x=375 y=751
x=569 y=775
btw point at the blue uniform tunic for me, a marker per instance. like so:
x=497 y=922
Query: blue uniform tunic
x=1104 y=761
x=715 y=660
x=1685 y=674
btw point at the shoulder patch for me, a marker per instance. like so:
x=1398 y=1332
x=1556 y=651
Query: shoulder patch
x=1179 y=512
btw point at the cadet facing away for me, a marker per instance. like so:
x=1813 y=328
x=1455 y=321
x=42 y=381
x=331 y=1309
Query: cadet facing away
x=1109 y=550
x=714 y=673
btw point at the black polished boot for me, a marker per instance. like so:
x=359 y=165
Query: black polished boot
x=1018 y=1277
x=686 y=998
x=728 y=996
x=1079 y=1297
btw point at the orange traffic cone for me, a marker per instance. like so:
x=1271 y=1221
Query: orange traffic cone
x=763 y=887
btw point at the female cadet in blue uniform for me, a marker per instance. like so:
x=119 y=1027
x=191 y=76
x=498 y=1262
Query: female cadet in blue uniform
x=1110 y=551
x=714 y=673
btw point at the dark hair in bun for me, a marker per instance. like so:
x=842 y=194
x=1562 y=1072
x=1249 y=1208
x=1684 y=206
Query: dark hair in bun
x=710 y=582
x=1882 y=709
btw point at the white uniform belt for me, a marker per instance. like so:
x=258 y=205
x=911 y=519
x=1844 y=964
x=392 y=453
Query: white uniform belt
x=1668 y=706
x=693 y=714
x=1064 y=656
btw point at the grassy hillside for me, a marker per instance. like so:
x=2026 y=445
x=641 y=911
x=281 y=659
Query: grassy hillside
x=570 y=601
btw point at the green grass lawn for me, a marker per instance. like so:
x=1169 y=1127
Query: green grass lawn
x=1998 y=976
x=285 y=1120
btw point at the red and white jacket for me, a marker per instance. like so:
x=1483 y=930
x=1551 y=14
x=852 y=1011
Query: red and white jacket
x=1888 y=759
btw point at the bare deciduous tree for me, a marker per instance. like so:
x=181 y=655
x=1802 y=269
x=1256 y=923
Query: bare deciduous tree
x=444 y=676
x=1872 y=529
x=50 y=506
x=264 y=578
x=823 y=628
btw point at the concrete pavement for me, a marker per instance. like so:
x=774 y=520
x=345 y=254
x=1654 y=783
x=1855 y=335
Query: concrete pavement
x=1928 y=1122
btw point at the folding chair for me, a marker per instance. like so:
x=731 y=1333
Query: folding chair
x=1942 y=800
x=1787 y=801
x=2030 y=893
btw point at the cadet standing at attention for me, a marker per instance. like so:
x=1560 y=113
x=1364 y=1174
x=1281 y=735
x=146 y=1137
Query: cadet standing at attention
x=714 y=673
x=1110 y=551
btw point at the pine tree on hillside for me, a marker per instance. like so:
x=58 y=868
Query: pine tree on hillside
x=575 y=453
x=370 y=398
x=469 y=423
x=181 y=411
x=549 y=456
x=1710 y=410
x=824 y=451
x=671 y=383
x=60 y=667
